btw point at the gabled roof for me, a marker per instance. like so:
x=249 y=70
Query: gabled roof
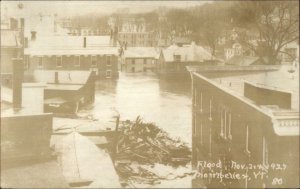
x=141 y=52
x=64 y=77
x=10 y=38
x=188 y=53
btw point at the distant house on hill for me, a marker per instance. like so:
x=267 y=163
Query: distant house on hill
x=290 y=52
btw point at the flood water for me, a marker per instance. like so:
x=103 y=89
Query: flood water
x=167 y=103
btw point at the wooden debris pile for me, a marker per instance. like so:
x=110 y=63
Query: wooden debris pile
x=146 y=143
x=142 y=147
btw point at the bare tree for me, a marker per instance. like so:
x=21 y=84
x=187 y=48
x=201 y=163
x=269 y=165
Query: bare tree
x=276 y=22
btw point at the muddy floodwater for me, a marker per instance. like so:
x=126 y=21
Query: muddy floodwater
x=167 y=103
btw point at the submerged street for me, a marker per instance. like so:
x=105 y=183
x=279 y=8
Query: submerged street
x=167 y=103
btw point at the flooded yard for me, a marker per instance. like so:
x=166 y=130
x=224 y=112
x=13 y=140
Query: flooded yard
x=167 y=103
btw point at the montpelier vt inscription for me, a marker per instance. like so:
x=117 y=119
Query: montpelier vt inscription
x=233 y=170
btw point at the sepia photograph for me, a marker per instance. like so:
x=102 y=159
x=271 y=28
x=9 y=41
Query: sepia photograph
x=150 y=94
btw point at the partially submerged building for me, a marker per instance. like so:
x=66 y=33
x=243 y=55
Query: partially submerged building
x=246 y=115
x=139 y=59
x=11 y=47
x=66 y=91
x=174 y=59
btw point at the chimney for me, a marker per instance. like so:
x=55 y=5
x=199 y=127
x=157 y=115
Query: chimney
x=26 y=42
x=22 y=23
x=13 y=24
x=17 y=78
x=115 y=37
x=33 y=35
x=56 y=81
x=22 y=40
x=84 y=42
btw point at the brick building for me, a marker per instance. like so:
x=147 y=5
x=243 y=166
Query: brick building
x=11 y=47
x=249 y=117
x=92 y=53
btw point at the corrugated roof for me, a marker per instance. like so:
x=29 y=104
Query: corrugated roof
x=188 y=53
x=64 y=77
x=9 y=38
x=141 y=52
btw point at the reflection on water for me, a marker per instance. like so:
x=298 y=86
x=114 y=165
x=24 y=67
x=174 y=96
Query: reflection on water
x=164 y=102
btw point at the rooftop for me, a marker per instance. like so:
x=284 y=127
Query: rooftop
x=141 y=52
x=30 y=104
x=33 y=176
x=282 y=80
x=9 y=38
x=64 y=77
x=244 y=60
x=188 y=53
x=71 y=45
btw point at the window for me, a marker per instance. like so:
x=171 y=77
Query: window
x=201 y=134
x=132 y=61
x=77 y=61
x=26 y=62
x=210 y=142
x=177 y=58
x=108 y=73
x=210 y=109
x=108 y=60
x=195 y=96
x=201 y=109
x=265 y=152
x=40 y=62
x=94 y=61
x=59 y=61
x=247 y=151
x=225 y=123
x=195 y=126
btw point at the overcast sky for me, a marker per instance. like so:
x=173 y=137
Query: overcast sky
x=69 y=8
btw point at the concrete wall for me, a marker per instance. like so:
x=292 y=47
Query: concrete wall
x=6 y=59
x=33 y=98
x=25 y=136
x=103 y=64
x=265 y=96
